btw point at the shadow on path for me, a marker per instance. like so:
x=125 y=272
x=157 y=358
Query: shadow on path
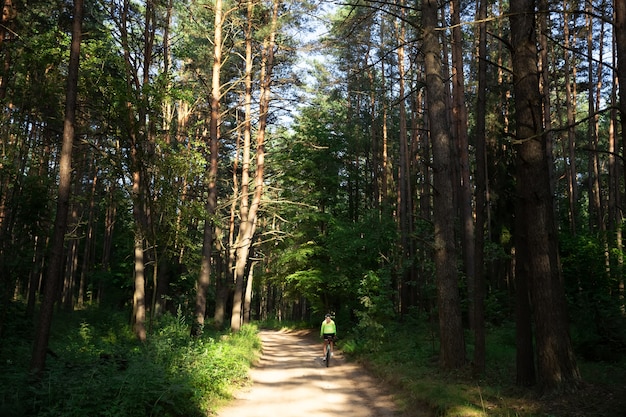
x=291 y=380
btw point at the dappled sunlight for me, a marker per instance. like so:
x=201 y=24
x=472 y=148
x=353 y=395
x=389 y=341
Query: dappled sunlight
x=292 y=380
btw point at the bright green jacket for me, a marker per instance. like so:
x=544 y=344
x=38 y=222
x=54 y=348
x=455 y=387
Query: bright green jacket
x=328 y=328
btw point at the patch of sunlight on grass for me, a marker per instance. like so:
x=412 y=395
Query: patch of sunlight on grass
x=465 y=411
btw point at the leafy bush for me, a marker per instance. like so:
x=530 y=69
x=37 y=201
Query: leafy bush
x=598 y=322
x=100 y=370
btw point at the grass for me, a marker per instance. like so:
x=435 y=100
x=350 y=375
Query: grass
x=99 y=369
x=406 y=359
x=275 y=324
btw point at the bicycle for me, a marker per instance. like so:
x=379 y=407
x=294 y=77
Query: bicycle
x=328 y=343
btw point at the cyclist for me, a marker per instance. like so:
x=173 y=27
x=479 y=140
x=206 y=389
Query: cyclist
x=328 y=331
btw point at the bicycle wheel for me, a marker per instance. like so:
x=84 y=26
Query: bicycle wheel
x=327 y=354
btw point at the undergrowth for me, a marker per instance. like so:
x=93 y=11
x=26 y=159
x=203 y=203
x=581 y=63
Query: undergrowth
x=406 y=358
x=97 y=368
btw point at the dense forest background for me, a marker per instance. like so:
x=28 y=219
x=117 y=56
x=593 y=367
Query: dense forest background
x=459 y=162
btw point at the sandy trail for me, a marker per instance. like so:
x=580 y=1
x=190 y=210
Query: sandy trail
x=291 y=380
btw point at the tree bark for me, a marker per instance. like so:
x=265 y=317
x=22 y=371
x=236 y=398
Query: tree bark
x=139 y=295
x=571 y=98
x=204 y=279
x=55 y=268
x=140 y=133
x=615 y=198
x=249 y=215
x=535 y=234
x=459 y=120
x=619 y=7
x=481 y=189
x=405 y=205
x=241 y=245
x=596 y=209
x=247 y=302
x=452 y=349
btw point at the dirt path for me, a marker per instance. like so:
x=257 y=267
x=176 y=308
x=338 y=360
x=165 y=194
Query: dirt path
x=291 y=380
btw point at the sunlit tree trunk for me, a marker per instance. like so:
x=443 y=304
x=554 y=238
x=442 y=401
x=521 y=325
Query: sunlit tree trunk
x=377 y=172
x=247 y=301
x=226 y=283
x=204 y=278
x=136 y=127
x=615 y=198
x=249 y=214
x=387 y=176
x=619 y=33
x=55 y=266
x=139 y=294
x=241 y=247
x=452 y=343
x=405 y=206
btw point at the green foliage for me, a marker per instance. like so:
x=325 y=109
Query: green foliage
x=98 y=369
x=375 y=295
x=344 y=269
x=599 y=326
x=406 y=354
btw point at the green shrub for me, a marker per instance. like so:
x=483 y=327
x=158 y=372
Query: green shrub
x=99 y=369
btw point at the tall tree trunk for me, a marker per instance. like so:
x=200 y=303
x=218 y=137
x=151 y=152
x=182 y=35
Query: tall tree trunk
x=481 y=198
x=619 y=32
x=570 y=101
x=7 y=32
x=459 y=114
x=135 y=175
x=204 y=279
x=452 y=349
x=387 y=176
x=377 y=172
x=544 y=85
x=241 y=247
x=55 y=267
x=247 y=301
x=405 y=206
x=249 y=221
x=139 y=294
x=595 y=204
x=615 y=198
x=535 y=233
x=141 y=147
x=225 y=284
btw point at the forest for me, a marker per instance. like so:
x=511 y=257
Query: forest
x=174 y=173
